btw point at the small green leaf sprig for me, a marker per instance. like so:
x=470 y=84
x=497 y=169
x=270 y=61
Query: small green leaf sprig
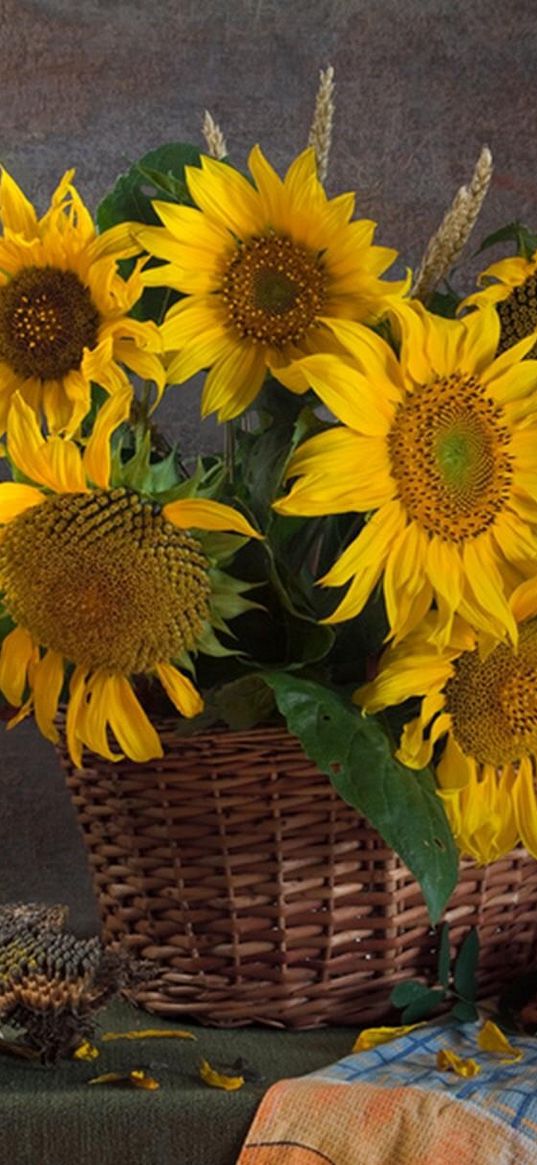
x=456 y=985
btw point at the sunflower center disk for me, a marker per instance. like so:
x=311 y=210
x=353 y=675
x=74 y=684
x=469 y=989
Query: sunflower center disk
x=493 y=701
x=104 y=579
x=518 y=314
x=449 y=454
x=47 y=318
x=273 y=290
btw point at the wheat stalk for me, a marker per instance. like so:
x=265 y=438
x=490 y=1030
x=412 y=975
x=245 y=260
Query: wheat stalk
x=320 y=135
x=446 y=245
x=216 y=142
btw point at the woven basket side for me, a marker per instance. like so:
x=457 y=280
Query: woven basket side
x=261 y=896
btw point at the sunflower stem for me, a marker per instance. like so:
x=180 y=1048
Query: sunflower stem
x=229 y=450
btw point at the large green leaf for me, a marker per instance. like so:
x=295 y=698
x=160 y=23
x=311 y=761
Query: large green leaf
x=355 y=753
x=159 y=174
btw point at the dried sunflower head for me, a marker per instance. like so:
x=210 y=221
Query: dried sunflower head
x=52 y=983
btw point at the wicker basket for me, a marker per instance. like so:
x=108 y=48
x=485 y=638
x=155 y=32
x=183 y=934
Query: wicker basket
x=261 y=897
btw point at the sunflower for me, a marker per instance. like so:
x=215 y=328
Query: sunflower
x=442 y=446
x=261 y=268
x=511 y=286
x=100 y=580
x=484 y=709
x=63 y=308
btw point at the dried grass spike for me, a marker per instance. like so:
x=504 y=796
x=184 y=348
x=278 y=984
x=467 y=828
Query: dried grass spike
x=446 y=245
x=320 y=136
x=216 y=142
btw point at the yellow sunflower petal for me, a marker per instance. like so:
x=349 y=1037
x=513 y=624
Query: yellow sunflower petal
x=180 y=689
x=269 y=186
x=447 y=1061
x=350 y=396
x=17 y=213
x=455 y=770
x=523 y=601
x=481 y=331
x=233 y=383
x=202 y=514
x=444 y=569
x=515 y=538
x=525 y=805
x=404 y=578
x=212 y=347
x=512 y=271
x=339 y=472
x=484 y=580
x=365 y=558
x=372 y=1037
x=146 y=365
x=16 y=653
x=372 y=354
x=491 y=1039
x=47 y=684
x=77 y=693
x=16 y=498
x=410 y=321
x=64 y=464
x=226 y=197
x=400 y=678
x=25 y=440
x=415 y=750
x=92 y=720
x=119 y=240
x=132 y=729
x=216 y=1079
x=191 y=228
x=97 y=458
x=187 y=320
x=504 y=363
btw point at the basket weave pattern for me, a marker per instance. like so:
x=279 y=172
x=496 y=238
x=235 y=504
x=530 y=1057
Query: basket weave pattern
x=261 y=897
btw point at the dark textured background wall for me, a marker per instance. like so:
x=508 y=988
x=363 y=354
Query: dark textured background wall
x=421 y=85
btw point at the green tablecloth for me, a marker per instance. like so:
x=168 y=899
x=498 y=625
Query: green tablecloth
x=52 y=1117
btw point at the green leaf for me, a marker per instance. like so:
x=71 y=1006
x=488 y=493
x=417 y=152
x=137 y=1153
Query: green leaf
x=515 y=232
x=422 y=1007
x=131 y=197
x=444 y=956
x=404 y=994
x=466 y=966
x=263 y=454
x=444 y=303
x=355 y=753
x=465 y=1012
x=245 y=702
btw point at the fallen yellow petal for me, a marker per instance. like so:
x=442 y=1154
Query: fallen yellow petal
x=451 y=1062
x=492 y=1039
x=86 y=1051
x=149 y=1033
x=137 y=1079
x=142 y=1080
x=219 y=1079
x=371 y=1037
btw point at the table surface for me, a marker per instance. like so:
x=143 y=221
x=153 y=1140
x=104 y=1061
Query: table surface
x=50 y=1116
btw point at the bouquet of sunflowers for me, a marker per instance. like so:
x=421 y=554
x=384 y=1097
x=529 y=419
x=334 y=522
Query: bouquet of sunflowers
x=360 y=559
